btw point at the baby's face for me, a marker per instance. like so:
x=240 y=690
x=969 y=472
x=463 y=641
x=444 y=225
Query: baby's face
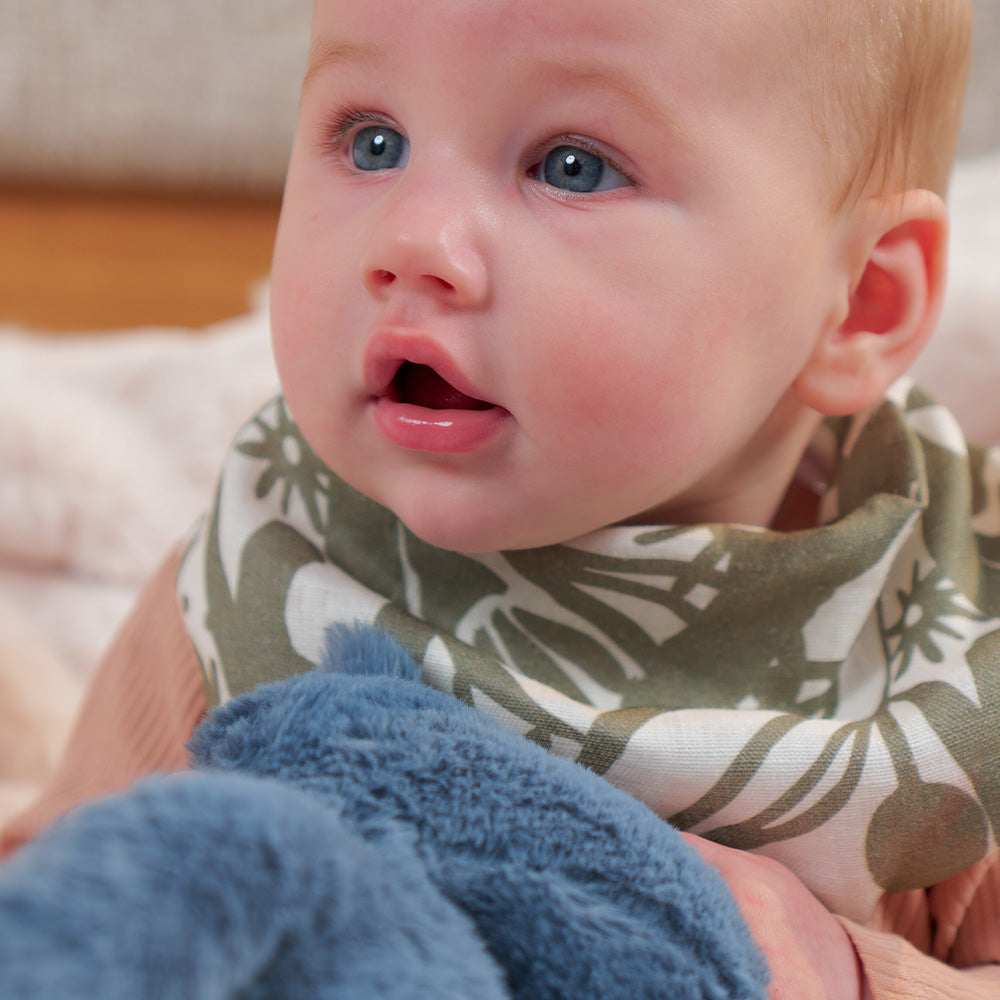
x=547 y=267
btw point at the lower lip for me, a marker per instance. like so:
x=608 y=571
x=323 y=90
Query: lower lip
x=446 y=432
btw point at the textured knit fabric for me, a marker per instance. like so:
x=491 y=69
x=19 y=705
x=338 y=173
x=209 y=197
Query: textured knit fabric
x=140 y=710
x=828 y=697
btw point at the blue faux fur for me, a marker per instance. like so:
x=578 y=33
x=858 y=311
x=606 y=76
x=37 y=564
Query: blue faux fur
x=355 y=834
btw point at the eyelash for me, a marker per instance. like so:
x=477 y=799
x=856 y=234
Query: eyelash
x=337 y=130
x=538 y=153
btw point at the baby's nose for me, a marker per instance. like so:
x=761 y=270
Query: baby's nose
x=426 y=240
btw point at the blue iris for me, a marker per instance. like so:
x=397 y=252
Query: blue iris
x=574 y=169
x=379 y=148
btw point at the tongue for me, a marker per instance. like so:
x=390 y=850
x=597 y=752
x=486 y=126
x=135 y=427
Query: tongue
x=422 y=386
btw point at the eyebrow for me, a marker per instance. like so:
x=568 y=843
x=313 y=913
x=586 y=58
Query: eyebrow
x=323 y=54
x=625 y=85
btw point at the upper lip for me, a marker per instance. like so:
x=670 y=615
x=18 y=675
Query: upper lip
x=388 y=350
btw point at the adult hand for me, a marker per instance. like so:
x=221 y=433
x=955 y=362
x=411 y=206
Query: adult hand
x=810 y=954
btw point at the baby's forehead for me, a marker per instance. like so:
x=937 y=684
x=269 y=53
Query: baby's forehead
x=734 y=36
x=680 y=64
x=740 y=20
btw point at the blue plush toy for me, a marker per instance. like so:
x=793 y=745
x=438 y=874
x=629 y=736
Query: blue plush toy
x=353 y=834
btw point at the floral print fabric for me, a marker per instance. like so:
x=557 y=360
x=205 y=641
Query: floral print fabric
x=827 y=697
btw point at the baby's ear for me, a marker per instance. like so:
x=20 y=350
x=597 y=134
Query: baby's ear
x=894 y=297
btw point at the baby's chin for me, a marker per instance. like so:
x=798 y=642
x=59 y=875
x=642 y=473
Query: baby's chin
x=477 y=537
x=475 y=514
x=476 y=532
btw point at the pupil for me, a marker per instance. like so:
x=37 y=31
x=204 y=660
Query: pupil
x=572 y=166
x=377 y=145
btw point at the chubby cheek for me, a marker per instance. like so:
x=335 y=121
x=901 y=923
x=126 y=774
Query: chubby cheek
x=306 y=351
x=307 y=306
x=293 y=339
x=620 y=376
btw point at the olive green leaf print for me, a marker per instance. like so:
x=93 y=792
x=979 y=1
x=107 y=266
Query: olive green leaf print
x=902 y=849
x=827 y=697
x=926 y=608
x=289 y=464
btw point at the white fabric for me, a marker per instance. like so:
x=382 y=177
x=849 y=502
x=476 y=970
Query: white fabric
x=108 y=448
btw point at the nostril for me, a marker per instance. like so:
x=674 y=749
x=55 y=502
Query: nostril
x=382 y=278
x=441 y=283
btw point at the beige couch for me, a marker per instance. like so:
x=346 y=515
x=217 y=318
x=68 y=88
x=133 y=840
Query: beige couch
x=191 y=94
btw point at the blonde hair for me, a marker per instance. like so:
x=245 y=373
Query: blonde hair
x=889 y=113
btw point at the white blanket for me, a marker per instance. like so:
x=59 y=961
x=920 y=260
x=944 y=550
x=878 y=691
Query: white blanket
x=108 y=449
x=109 y=446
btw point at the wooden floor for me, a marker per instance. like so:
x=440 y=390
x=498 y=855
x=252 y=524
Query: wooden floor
x=75 y=261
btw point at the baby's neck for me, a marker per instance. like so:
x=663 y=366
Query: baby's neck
x=800 y=507
x=778 y=485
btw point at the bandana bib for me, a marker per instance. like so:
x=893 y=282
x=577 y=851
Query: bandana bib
x=828 y=697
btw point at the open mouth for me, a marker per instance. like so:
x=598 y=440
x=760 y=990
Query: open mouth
x=416 y=407
x=421 y=385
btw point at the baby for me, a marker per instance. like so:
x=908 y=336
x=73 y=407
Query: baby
x=590 y=318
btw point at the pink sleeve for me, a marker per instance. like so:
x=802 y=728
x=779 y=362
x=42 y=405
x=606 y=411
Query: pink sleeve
x=897 y=970
x=140 y=709
x=966 y=915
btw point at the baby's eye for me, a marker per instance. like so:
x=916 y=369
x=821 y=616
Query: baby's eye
x=572 y=168
x=379 y=147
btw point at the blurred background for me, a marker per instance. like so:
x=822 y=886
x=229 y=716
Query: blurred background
x=142 y=147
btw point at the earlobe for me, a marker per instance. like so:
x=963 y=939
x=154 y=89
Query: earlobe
x=892 y=304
